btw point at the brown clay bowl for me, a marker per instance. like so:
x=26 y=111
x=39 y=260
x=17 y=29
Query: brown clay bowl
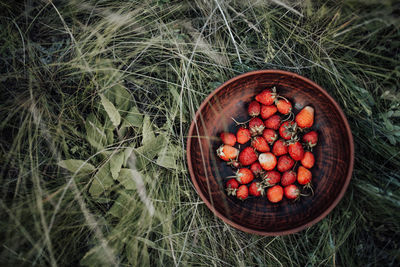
x=334 y=154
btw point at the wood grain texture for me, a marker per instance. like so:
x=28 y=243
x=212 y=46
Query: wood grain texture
x=334 y=154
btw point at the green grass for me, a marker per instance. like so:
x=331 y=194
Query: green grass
x=156 y=61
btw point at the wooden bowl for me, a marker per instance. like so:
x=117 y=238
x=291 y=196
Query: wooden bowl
x=334 y=154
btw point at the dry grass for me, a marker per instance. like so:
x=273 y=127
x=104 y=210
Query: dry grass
x=155 y=61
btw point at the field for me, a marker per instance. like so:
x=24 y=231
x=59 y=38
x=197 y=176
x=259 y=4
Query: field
x=96 y=99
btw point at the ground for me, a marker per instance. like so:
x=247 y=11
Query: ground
x=94 y=93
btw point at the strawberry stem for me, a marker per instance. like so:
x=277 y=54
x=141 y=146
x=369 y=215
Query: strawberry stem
x=291 y=114
x=279 y=96
x=309 y=186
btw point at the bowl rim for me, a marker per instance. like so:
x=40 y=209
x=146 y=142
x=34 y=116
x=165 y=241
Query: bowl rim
x=241 y=227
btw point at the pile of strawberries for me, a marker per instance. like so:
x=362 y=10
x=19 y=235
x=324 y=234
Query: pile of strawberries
x=277 y=146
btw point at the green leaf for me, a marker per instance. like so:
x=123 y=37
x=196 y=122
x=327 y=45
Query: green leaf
x=76 y=166
x=145 y=258
x=132 y=252
x=116 y=162
x=95 y=132
x=148 y=242
x=147 y=131
x=97 y=256
x=133 y=118
x=112 y=112
x=127 y=178
x=110 y=136
x=396 y=114
x=119 y=95
x=121 y=205
x=127 y=153
x=137 y=253
x=167 y=156
x=102 y=181
x=148 y=152
x=392 y=140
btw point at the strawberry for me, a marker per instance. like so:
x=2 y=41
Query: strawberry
x=254 y=108
x=284 y=106
x=308 y=160
x=285 y=163
x=228 y=138
x=242 y=192
x=271 y=178
x=256 y=169
x=231 y=186
x=256 y=126
x=291 y=191
x=247 y=156
x=244 y=176
x=311 y=138
x=273 y=122
x=270 y=136
x=268 y=111
x=226 y=152
x=243 y=135
x=267 y=161
x=266 y=97
x=296 y=150
x=305 y=118
x=260 y=144
x=280 y=148
x=287 y=130
x=303 y=176
x=288 y=177
x=275 y=194
x=256 y=189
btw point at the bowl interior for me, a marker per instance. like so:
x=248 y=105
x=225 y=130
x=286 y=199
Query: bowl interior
x=333 y=154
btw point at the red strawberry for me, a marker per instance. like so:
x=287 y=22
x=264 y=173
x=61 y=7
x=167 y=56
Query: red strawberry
x=254 y=108
x=308 y=160
x=273 y=122
x=231 y=186
x=275 y=194
x=227 y=153
x=242 y=192
x=268 y=111
x=243 y=135
x=296 y=150
x=303 y=176
x=284 y=106
x=256 y=126
x=280 y=148
x=287 y=130
x=267 y=161
x=270 y=136
x=228 y=138
x=266 y=97
x=291 y=191
x=288 y=177
x=305 y=118
x=247 y=156
x=271 y=178
x=244 y=176
x=285 y=163
x=256 y=169
x=256 y=189
x=311 y=138
x=260 y=144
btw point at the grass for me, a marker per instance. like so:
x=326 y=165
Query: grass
x=155 y=61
